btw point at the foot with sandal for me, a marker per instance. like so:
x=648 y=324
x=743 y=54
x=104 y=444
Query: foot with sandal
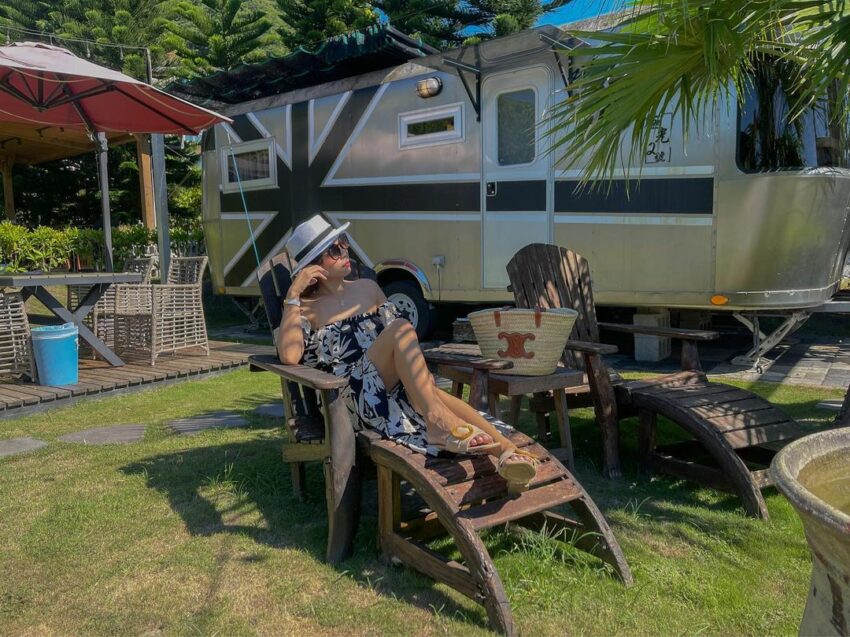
x=516 y=466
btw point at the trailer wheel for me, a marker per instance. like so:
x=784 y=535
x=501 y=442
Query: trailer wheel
x=408 y=298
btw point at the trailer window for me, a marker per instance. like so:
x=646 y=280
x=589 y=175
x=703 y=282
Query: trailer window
x=431 y=126
x=251 y=164
x=516 y=113
x=768 y=139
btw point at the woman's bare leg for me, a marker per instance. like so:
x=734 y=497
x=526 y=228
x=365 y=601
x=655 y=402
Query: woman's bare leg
x=398 y=358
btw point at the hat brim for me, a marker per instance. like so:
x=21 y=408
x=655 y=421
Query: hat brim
x=321 y=247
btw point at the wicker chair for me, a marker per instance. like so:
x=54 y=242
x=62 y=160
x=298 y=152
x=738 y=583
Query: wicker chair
x=16 y=357
x=101 y=319
x=158 y=318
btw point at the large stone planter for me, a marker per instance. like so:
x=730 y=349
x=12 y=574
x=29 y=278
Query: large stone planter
x=802 y=467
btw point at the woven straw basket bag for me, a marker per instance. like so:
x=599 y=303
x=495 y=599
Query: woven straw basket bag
x=533 y=340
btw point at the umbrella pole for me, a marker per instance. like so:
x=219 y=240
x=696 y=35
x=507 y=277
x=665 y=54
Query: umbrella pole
x=103 y=174
x=161 y=198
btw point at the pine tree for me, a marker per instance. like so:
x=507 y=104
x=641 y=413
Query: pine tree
x=451 y=23
x=210 y=35
x=129 y=22
x=26 y=14
x=307 y=22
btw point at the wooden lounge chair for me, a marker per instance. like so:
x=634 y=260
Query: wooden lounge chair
x=463 y=495
x=735 y=433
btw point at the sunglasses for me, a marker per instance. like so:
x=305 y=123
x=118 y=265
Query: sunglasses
x=338 y=249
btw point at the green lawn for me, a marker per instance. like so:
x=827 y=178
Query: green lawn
x=201 y=536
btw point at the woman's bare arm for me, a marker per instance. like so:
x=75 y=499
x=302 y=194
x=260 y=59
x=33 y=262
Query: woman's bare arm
x=290 y=337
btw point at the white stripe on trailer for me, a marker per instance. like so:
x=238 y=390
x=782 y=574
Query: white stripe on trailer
x=329 y=178
x=335 y=221
x=232 y=134
x=645 y=171
x=284 y=155
x=406 y=179
x=601 y=218
x=240 y=216
x=316 y=144
x=407 y=216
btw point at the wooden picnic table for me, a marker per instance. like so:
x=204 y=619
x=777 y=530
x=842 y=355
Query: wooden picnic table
x=35 y=284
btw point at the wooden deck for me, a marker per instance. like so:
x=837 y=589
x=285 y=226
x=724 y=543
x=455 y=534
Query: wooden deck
x=98 y=378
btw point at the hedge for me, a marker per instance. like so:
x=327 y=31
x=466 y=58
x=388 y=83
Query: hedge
x=44 y=248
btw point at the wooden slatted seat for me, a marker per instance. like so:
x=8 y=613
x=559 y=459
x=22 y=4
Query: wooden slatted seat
x=462 y=494
x=465 y=496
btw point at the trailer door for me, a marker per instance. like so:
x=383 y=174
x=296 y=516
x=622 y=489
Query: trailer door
x=516 y=192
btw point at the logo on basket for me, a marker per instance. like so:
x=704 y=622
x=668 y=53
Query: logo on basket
x=516 y=345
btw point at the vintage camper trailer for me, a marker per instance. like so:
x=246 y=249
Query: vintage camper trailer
x=440 y=165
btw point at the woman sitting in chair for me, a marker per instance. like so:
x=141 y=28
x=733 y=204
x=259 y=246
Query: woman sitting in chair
x=349 y=329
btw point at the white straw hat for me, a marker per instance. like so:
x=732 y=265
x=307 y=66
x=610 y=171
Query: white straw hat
x=310 y=239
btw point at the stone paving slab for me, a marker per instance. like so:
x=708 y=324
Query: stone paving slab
x=197 y=424
x=13 y=446
x=115 y=434
x=270 y=410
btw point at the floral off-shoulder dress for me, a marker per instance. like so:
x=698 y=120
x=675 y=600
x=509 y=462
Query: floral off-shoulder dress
x=340 y=349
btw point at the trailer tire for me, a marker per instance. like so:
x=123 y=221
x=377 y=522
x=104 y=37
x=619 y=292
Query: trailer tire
x=408 y=298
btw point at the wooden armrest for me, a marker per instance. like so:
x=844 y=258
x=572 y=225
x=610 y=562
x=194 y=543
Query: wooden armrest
x=472 y=362
x=301 y=374
x=591 y=348
x=670 y=332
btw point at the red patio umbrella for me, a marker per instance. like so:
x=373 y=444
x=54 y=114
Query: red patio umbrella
x=50 y=86
x=46 y=86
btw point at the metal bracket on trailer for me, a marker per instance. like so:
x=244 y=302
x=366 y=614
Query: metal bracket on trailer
x=460 y=67
x=763 y=343
x=557 y=44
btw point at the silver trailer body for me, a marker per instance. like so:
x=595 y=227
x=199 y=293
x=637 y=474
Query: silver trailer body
x=442 y=190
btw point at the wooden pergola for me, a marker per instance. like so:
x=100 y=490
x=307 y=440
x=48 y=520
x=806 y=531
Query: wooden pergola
x=32 y=144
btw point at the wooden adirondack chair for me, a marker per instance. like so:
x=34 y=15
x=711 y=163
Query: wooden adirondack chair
x=735 y=432
x=463 y=494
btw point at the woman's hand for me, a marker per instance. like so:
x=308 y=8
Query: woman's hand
x=304 y=279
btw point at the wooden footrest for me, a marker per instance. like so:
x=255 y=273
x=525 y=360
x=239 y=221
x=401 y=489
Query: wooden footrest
x=741 y=417
x=495 y=512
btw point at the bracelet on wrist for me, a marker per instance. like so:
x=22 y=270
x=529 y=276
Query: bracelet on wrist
x=294 y=302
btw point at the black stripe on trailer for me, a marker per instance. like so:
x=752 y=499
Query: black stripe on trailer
x=516 y=196
x=673 y=195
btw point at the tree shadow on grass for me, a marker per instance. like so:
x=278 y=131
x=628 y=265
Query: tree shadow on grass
x=209 y=486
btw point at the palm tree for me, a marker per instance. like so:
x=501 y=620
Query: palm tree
x=682 y=57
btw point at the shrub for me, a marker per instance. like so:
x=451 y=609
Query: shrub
x=12 y=246
x=44 y=248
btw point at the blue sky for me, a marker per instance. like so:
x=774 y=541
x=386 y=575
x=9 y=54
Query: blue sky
x=580 y=9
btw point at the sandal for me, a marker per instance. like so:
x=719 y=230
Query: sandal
x=460 y=438
x=518 y=475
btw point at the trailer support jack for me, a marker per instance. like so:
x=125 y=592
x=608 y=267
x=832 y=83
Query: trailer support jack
x=756 y=359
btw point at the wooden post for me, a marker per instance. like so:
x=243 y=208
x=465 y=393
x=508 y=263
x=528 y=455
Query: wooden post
x=8 y=190
x=164 y=240
x=342 y=478
x=103 y=175
x=144 y=160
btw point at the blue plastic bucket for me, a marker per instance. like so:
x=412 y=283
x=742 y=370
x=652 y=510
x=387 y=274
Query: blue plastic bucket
x=55 y=349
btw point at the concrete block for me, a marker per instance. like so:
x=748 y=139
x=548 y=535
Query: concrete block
x=652 y=348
